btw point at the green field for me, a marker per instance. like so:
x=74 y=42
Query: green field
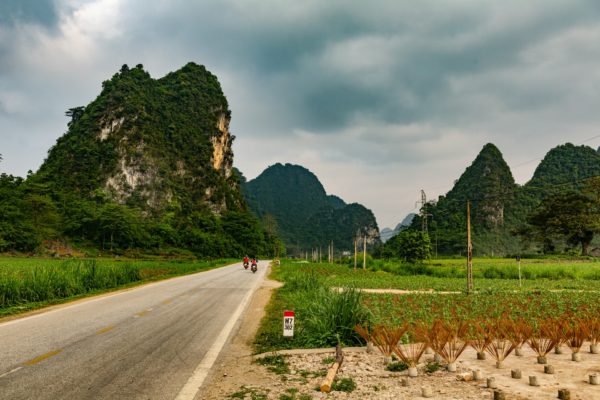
x=550 y=288
x=28 y=283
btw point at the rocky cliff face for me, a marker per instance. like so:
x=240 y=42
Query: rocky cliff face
x=152 y=142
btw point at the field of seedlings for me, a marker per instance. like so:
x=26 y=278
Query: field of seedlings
x=554 y=307
x=27 y=283
x=560 y=290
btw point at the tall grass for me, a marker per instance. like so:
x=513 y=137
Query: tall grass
x=331 y=316
x=324 y=316
x=36 y=281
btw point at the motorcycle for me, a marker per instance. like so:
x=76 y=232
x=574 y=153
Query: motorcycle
x=245 y=264
x=254 y=267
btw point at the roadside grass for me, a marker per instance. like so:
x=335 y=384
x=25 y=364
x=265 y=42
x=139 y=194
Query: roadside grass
x=30 y=283
x=322 y=319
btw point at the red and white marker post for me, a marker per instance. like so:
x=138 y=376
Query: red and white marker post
x=288 y=324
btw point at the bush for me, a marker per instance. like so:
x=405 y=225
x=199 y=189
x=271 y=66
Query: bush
x=331 y=317
x=396 y=366
x=344 y=385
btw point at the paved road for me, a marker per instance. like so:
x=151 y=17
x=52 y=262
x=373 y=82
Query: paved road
x=145 y=343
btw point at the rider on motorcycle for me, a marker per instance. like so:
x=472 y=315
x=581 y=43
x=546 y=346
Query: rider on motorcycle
x=254 y=264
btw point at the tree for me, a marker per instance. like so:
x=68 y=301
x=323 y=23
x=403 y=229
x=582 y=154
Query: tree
x=75 y=113
x=410 y=245
x=571 y=216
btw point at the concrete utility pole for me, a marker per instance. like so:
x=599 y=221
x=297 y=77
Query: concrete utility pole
x=469 y=251
x=355 y=252
x=423 y=212
x=365 y=253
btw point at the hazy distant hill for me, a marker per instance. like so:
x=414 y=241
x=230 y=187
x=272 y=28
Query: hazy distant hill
x=387 y=233
x=306 y=216
x=498 y=205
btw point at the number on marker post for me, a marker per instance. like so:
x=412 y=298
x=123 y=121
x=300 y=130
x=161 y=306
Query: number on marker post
x=288 y=323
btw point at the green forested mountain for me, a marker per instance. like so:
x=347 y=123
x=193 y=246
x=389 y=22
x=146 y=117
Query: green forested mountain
x=564 y=167
x=499 y=207
x=306 y=216
x=147 y=164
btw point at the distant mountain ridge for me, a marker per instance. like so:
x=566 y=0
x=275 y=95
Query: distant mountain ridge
x=306 y=216
x=388 y=233
x=499 y=206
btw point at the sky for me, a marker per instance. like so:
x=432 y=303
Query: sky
x=380 y=99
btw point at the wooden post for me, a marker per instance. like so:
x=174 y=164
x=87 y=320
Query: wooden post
x=469 y=251
x=328 y=381
x=365 y=253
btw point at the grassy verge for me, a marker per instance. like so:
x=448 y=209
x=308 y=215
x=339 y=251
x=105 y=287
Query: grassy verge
x=323 y=315
x=31 y=283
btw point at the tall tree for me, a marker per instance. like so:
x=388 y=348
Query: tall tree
x=571 y=216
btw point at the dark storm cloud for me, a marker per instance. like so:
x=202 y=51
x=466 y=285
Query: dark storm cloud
x=29 y=11
x=403 y=90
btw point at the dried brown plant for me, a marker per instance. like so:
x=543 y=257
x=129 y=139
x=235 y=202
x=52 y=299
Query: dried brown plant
x=364 y=332
x=448 y=338
x=593 y=325
x=411 y=352
x=540 y=340
x=504 y=336
x=576 y=333
x=556 y=329
x=387 y=338
x=523 y=332
x=477 y=335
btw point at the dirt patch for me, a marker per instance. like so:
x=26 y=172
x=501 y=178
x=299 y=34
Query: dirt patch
x=236 y=375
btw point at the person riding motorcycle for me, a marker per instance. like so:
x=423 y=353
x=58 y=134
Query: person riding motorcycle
x=254 y=264
x=246 y=262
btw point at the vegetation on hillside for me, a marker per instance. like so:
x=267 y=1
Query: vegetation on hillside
x=553 y=212
x=136 y=170
x=306 y=216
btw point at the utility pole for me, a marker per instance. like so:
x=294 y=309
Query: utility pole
x=469 y=251
x=423 y=212
x=365 y=253
x=332 y=252
x=355 y=253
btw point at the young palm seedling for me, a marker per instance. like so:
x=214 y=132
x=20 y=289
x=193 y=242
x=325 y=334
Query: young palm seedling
x=411 y=352
x=504 y=338
x=576 y=333
x=540 y=340
x=523 y=333
x=386 y=339
x=477 y=337
x=449 y=340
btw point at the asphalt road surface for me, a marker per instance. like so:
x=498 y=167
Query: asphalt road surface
x=153 y=342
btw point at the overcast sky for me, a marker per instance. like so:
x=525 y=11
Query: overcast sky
x=379 y=99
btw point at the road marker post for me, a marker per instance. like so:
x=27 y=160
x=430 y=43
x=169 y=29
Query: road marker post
x=288 y=324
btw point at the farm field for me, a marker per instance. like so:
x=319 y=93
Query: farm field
x=557 y=305
x=559 y=287
x=29 y=283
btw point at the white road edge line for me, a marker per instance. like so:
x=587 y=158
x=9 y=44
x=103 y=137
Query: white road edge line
x=192 y=386
x=10 y=372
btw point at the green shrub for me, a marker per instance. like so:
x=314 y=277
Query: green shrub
x=396 y=366
x=275 y=363
x=344 y=385
x=431 y=367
